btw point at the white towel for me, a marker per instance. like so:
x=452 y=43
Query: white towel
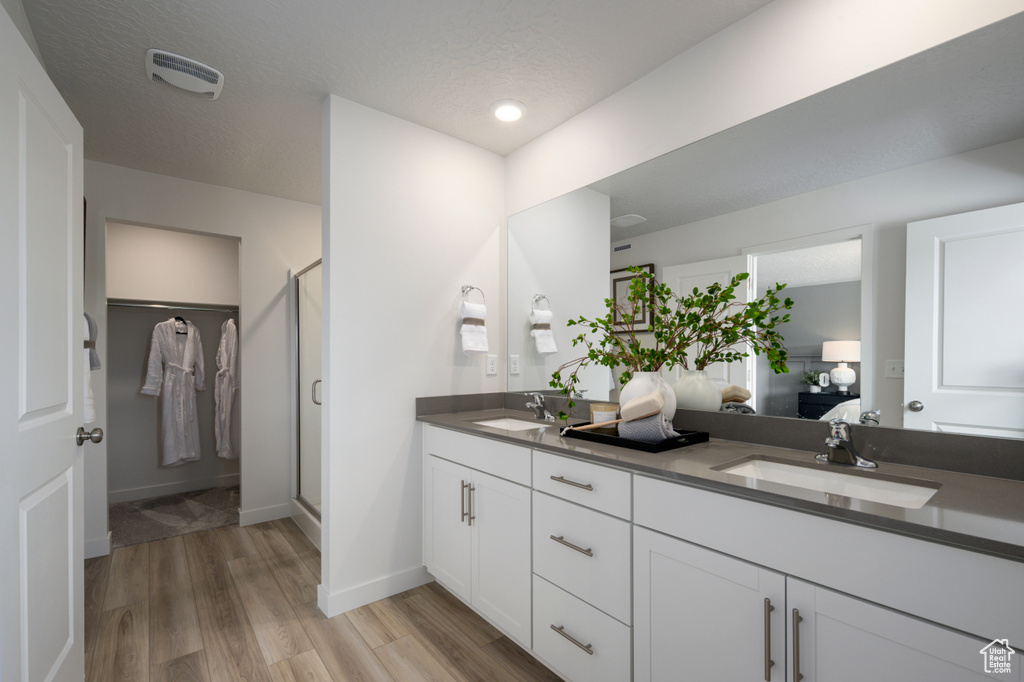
x=474 y=336
x=544 y=338
x=88 y=402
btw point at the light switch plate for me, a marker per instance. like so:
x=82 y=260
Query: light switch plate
x=492 y=365
x=513 y=365
x=893 y=369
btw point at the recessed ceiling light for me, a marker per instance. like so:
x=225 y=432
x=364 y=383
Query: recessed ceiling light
x=628 y=220
x=508 y=110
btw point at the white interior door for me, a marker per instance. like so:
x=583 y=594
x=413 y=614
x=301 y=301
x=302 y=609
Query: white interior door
x=41 y=231
x=965 y=324
x=683 y=278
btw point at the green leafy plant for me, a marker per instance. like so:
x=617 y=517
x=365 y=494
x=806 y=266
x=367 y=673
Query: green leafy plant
x=695 y=331
x=810 y=377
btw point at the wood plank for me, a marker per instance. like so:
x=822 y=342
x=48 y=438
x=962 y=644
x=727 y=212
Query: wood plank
x=377 y=624
x=306 y=667
x=122 y=647
x=128 y=577
x=408 y=661
x=173 y=621
x=476 y=627
x=311 y=559
x=293 y=578
x=234 y=542
x=273 y=621
x=268 y=539
x=518 y=662
x=189 y=668
x=341 y=648
x=96 y=572
x=294 y=535
x=232 y=652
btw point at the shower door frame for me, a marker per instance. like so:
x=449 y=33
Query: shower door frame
x=299 y=391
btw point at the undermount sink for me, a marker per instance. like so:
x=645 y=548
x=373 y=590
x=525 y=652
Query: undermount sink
x=871 y=486
x=510 y=424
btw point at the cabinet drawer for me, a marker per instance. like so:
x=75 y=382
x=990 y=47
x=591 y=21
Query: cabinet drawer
x=607 y=640
x=599 y=487
x=600 y=578
x=504 y=460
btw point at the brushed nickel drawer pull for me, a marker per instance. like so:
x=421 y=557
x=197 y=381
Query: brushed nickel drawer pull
x=562 y=479
x=560 y=629
x=768 y=662
x=796 y=646
x=560 y=539
x=463 y=500
x=472 y=489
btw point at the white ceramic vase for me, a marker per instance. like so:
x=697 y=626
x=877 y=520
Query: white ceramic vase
x=694 y=391
x=643 y=383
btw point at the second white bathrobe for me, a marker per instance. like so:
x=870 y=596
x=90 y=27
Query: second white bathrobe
x=176 y=371
x=226 y=385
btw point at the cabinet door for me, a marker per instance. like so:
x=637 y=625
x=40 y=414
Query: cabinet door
x=842 y=639
x=446 y=533
x=701 y=615
x=501 y=554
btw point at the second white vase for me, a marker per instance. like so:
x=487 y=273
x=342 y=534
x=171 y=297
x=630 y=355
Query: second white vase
x=643 y=383
x=694 y=391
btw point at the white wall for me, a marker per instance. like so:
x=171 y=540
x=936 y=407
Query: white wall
x=786 y=51
x=559 y=249
x=277 y=236
x=410 y=216
x=993 y=176
x=162 y=265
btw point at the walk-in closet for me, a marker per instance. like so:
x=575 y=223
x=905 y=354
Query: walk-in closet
x=173 y=405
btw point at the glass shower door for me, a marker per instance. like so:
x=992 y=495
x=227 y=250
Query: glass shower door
x=308 y=311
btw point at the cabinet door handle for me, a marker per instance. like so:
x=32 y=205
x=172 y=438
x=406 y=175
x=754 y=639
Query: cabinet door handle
x=768 y=662
x=796 y=646
x=560 y=629
x=472 y=489
x=560 y=539
x=584 y=486
x=462 y=499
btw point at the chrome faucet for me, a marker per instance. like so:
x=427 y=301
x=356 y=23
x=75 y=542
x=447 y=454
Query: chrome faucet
x=871 y=418
x=840 y=447
x=539 y=407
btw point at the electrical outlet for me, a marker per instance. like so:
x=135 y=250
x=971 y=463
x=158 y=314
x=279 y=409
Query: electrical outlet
x=492 y=365
x=893 y=369
x=513 y=365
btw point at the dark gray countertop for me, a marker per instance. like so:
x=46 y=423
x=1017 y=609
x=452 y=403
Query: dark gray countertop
x=977 y=513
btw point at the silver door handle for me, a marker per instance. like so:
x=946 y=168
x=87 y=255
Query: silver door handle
x=796 y=646
x=768 y=662
x=472 y=489
x=462 y=496
x=315 y=401
x=560 y=629
x=562 y=479
x=560 y=539
x=96 y=435
x=915 y=406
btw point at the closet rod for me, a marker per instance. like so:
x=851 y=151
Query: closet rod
x=165 y=306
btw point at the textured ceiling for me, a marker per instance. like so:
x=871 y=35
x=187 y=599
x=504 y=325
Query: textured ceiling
x=811 y=266
x=960 y=96
x=438 y=63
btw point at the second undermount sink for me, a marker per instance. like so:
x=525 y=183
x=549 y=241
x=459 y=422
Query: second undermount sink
x=909 y=493
x=510 y=424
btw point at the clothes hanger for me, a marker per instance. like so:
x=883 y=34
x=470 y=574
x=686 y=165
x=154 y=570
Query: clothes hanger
x=181 y=319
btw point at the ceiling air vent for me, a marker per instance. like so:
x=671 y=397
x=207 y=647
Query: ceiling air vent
x=184 y=74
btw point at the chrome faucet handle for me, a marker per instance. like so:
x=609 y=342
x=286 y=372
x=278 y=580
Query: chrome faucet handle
x=840 y=447
x=871 y=418
x=838 y=430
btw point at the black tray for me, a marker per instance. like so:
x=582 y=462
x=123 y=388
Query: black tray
x=681 y=441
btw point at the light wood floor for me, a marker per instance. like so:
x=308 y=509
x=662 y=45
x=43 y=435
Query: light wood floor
x=240 y=604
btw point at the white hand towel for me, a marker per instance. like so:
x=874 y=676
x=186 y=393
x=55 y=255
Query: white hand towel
x=543 y=338
x=474 y=336
x=89 y=402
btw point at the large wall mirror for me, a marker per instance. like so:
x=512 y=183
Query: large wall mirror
x=819 y=195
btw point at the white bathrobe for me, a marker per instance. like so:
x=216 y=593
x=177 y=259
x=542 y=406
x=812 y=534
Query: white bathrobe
x=225 y=387
x=176 y=367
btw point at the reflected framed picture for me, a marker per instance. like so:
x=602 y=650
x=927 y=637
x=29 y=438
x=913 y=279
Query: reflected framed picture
x=644 y=312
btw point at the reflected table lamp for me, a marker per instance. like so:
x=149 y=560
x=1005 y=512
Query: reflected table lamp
x=842 y=352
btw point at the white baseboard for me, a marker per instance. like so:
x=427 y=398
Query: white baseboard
x=305 y=520
x=333 y=603
x=95 y=547
x=247 y=517
x=146 y=492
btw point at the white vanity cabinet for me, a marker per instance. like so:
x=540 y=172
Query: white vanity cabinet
x=701 y=613
x=476 y=527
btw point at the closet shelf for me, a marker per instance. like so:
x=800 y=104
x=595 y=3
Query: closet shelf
x=128 y=303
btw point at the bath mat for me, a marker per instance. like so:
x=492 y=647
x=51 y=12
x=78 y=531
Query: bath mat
x=165 y=517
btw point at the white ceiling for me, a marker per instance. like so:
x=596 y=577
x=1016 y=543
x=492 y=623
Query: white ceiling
x=811 y=266
x=438 y=63
x=960 y=96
